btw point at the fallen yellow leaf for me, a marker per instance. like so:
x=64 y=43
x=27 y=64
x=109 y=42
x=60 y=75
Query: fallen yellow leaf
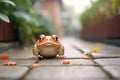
x=95 y=50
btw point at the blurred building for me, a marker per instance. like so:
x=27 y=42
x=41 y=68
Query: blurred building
x=51 y=9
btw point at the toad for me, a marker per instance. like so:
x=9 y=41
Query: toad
x=48 y=46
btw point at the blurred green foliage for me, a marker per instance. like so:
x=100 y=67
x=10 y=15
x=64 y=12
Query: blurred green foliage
x=100 y=11
x=28 y=24
x=3 y=5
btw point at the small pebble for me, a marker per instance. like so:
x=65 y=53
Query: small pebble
x=10 y=63
x=4 y=57
x=86 y=57
x=35 y=65
x=66 y=62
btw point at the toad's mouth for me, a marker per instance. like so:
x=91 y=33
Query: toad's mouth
x=48 y=45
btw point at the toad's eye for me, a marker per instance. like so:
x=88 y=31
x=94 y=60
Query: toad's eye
x=56 y=38
x=40 y=39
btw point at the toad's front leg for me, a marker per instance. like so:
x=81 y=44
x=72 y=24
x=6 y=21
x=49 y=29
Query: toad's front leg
x=61 y=52
x=35 y=52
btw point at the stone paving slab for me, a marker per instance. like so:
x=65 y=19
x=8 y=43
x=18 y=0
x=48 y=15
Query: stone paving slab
x=114 y=71
x=106 y=55
x=8 y=52
x=67 y=73
x=75 y=42
x=4 y=46
x=19 y=53
x=22 y=53
x=108 y=62
x=110 y=48
x=20 y=62
x=59 y=62
x=72 y=53
x=87 y=46
x=12 y=72
x=74 y=56
x=109 y=51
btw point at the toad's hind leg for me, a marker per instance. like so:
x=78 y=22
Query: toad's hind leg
x=35 y=52
x=61 y=52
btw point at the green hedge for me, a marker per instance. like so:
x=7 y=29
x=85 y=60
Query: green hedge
x=99 y=11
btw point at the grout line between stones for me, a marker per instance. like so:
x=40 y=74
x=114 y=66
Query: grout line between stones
x=110 y=76
x=23 y=77
x=82 y=51
x=95 y=64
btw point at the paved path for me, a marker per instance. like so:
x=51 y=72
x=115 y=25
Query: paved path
x=104 y=65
